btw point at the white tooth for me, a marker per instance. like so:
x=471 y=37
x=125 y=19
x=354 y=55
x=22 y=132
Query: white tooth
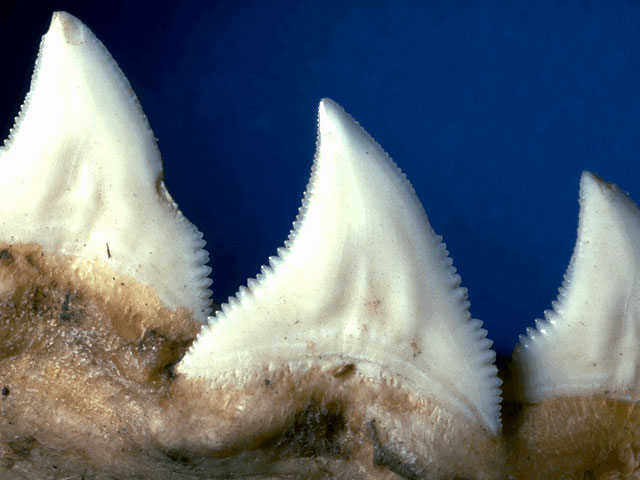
x=253 y=283
x=82 y=175
x=593 y=343
x=274 y=261
x=365 y=277
x=243 y=295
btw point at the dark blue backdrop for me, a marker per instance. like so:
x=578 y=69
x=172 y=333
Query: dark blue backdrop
x=491 y=108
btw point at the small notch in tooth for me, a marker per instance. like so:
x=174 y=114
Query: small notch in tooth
x=266 y=270
x=243 y=294
x=252 y=284
x=274 y=261
x=232 y=302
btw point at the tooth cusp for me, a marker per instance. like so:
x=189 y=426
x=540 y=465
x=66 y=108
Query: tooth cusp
x=380 y=294
x=589 y=341
x=360 y=320
x=80 y=136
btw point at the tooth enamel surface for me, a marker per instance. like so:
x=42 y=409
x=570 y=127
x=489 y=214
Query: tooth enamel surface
x=82 y=174
x=590 y=343
x=364 y=286
x=576 y=376
x=102 y=280
x=352 y=355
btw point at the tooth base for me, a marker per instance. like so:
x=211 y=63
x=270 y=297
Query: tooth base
x=85 y=357
x=573 y=437
x=84 y=360
x=328 y=417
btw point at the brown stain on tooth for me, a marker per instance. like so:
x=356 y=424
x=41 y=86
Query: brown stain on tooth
x=84 y=361
x=88 y=387
x=343 y=371
x=87 y=359
x=306 y=416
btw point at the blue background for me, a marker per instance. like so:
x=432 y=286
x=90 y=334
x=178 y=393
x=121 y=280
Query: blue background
x=491 y=108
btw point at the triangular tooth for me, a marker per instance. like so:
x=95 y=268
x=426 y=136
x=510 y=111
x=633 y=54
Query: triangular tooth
x=592 y=346
x=366 y=277
x=81 y=170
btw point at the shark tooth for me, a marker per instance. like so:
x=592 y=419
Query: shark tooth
x=364 y=311
x=82 y=175
x=352 y=354
x=577 y=372
x=102 y=280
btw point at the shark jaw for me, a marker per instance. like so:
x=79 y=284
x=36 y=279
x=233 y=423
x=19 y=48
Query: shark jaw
x=351 y=355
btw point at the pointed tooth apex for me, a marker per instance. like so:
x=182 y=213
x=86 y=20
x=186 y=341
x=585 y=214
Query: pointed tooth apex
x=363 y=277
x=592 y=344
x=82 y=175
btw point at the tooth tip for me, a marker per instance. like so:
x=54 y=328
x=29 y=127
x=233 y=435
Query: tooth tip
x=591 y=183
x=66 y=23
x=326 y=104
x=587 y=176
x=330 y=115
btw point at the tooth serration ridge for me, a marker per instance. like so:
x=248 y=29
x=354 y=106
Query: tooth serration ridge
x=588 y=344
x=479 y=357
x=97 y=96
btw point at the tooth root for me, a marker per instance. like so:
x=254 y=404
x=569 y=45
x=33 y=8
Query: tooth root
x=82 y=174
x=592 y=346
x=363 y=277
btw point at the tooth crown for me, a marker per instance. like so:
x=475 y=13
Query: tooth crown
x=363 y=278
x=590 y=342
x=82 y=174
x=352 y=353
